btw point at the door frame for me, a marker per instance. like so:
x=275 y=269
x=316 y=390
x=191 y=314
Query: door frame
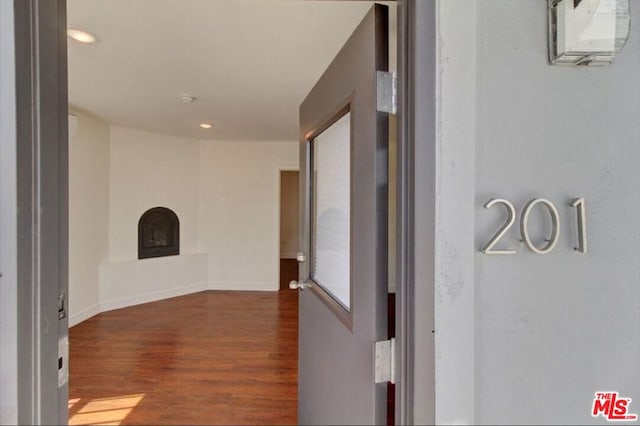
x=39 y=38
x=36 y=204
x=416 y=210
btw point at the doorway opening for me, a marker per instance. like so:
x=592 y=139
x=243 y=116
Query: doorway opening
x=219 y=184
x=289 y=202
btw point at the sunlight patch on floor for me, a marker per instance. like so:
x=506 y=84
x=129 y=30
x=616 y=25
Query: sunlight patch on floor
x=103 y=411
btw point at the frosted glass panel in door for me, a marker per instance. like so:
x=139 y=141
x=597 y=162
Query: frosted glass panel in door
x=331 y=198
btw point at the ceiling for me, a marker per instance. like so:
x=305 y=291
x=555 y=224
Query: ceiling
x=249 y=63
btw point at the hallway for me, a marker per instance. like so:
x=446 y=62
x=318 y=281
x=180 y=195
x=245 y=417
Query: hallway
x=215 y=357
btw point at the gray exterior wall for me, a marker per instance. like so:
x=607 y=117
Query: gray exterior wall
x=530 y=338
x=8 y=262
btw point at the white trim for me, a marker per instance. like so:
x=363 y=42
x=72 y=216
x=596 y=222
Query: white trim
x=84 y=315
x=243 y=286
x=155 y=296
x=151 y=297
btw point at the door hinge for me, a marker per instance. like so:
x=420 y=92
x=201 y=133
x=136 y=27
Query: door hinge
x=387 y=92
x=385 y=361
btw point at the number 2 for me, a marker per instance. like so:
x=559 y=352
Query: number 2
x=511 y=218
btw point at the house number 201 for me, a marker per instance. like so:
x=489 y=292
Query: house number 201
x=550 y=243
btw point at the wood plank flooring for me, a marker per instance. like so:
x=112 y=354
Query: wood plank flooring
x=214 y=357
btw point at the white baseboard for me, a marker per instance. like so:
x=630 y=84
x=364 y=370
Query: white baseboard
x=110 y=305
x=242 y=286
x=151 y=297
x=84 y=314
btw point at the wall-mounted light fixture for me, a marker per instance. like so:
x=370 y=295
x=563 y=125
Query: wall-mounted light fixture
x=587 y=32
x=81 y=36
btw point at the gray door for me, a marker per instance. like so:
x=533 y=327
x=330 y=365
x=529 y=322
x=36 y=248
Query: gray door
x=343 y=224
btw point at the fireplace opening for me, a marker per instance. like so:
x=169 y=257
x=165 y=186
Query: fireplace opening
x=158 y=233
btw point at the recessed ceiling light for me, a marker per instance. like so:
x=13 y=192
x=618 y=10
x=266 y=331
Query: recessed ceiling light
x=206 y=125
x=81 y=36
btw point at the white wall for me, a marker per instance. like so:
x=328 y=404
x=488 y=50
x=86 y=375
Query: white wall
x=150 y=170
x=132 y=282
x=527 y=338
x=238 y=213
x=225 y=194
x=88 y=212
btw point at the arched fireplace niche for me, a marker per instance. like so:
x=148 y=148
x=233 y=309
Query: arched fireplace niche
x=158 y=233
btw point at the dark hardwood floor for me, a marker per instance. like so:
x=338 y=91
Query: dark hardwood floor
x=214 y=357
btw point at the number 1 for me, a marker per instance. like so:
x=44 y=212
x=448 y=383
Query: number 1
x=578 y=203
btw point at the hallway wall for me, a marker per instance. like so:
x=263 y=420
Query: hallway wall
x=239 y=211
x=88 y=211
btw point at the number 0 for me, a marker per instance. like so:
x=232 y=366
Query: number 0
x=555 y=230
